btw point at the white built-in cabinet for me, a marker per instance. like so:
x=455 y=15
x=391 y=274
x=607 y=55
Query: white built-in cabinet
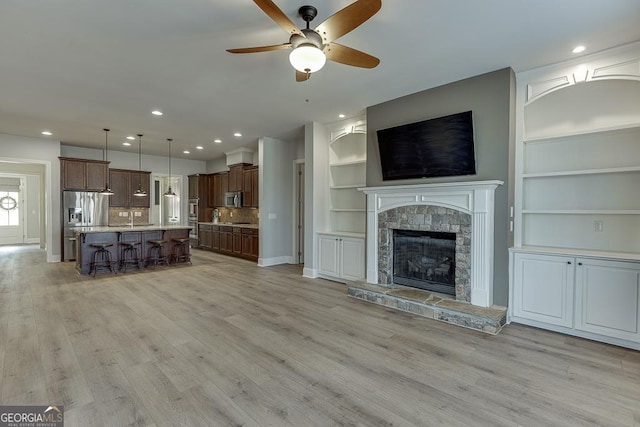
x=577 y=196
x=591 y=297
x=340 y=257
x=341 y=244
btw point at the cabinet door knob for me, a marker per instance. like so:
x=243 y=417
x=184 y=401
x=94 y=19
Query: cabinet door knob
x=579 y=263
x=569 y=262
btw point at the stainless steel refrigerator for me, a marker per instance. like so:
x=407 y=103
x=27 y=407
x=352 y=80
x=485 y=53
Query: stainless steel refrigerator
x=81 y=209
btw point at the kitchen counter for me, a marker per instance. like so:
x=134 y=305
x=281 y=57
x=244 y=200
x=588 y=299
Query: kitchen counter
x=229 y=224
x=127 y=228
x=115 y=235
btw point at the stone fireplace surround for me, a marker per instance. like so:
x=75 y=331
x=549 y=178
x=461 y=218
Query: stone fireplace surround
x=474 y=199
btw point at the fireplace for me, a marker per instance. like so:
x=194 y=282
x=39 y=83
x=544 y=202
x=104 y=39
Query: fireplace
x=463 y=208
x=425 y=260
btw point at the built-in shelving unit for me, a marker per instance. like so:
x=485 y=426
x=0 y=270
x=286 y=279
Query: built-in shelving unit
x=575 y=261
x=341 y=240
x=347 y=173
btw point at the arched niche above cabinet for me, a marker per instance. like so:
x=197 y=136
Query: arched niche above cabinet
x=584 y=108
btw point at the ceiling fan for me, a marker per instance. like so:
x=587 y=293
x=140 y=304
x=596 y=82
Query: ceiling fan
x=312 y=47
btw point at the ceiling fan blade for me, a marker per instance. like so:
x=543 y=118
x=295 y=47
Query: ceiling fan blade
x=302 y=77
x=278 y=16
x=261 y=48
x=345 y=20
x=349 y=56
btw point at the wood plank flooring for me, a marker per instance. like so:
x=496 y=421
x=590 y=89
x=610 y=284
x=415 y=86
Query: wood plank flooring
x=225 y=343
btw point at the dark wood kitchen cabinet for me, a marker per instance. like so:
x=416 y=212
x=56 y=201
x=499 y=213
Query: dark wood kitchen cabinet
x=81 y=174
x=205 y=236
x=236 y=176
x=250 y=240
x=218 y=186
x=226 y=240
x=250 y=195
x=123 y=183
x=199 y=188
x=237 y=241
x=215 y=238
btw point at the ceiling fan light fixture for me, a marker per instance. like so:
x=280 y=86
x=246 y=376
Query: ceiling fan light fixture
x=307 y=58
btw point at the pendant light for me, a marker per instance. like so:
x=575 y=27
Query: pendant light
x=140 y=192
x=107 y=191
x=169 y=192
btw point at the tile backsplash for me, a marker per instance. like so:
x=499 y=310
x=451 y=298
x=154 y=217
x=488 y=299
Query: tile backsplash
x=116 y=218
x=243 y=215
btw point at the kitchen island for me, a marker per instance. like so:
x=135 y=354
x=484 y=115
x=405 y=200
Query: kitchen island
x=116 y=234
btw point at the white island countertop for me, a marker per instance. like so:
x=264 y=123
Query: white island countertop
x=127 y=228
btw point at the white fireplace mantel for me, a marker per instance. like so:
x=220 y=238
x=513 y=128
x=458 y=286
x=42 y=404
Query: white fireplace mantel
x=472 y=197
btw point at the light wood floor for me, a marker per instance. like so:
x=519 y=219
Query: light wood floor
x=224 y=342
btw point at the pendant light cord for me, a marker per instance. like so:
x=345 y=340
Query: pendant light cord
x=139 y=152
x=169 y=139
x=105 y=154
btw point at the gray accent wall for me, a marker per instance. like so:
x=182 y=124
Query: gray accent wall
x=491 y=97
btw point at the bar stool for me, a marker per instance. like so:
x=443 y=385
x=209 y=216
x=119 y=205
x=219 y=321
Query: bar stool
x=130 y=255
x=156 y=254
x=180 y=251
x=101 y=258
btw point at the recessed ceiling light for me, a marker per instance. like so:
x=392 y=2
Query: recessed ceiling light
x=46 y=132
x=126 y=143
x=342 y=116
x=186 y=152
x=237 y=134
x=578 y=49
x=217 y=141
x=156 y=112
x=200 y=147
x=130 y=138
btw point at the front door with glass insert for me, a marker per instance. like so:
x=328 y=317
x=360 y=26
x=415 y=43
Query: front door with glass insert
x=11 y=224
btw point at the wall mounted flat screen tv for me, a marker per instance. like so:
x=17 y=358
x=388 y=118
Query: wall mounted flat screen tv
x=431 y=148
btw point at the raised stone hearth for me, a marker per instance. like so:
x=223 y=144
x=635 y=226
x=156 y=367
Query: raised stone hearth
x=430 y=305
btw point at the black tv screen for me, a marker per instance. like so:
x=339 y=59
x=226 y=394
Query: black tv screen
x=431 y=148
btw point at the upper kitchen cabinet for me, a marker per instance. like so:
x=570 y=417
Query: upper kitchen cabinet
x=80 y=174
x=250 y=193
x=199 y=187
x=123 y=183
x=218 y=185
x=236 y=176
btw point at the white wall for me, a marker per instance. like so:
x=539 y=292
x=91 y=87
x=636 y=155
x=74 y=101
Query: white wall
x=316 y=189
x=32 y=209
x=43 y=152
x=276 y=200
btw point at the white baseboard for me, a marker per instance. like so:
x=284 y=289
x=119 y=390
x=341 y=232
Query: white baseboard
x=310 y=273
x=54 y=258
x=268 y=262
x=32 y=241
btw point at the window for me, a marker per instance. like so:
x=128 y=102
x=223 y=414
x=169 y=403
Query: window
x=9 y=208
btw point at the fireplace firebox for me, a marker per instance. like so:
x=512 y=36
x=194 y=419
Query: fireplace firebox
x=425 y=260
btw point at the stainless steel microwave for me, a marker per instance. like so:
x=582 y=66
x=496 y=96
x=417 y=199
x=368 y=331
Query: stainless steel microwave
x=233 y=199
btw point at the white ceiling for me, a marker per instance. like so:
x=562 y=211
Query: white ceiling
x=76 y=66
